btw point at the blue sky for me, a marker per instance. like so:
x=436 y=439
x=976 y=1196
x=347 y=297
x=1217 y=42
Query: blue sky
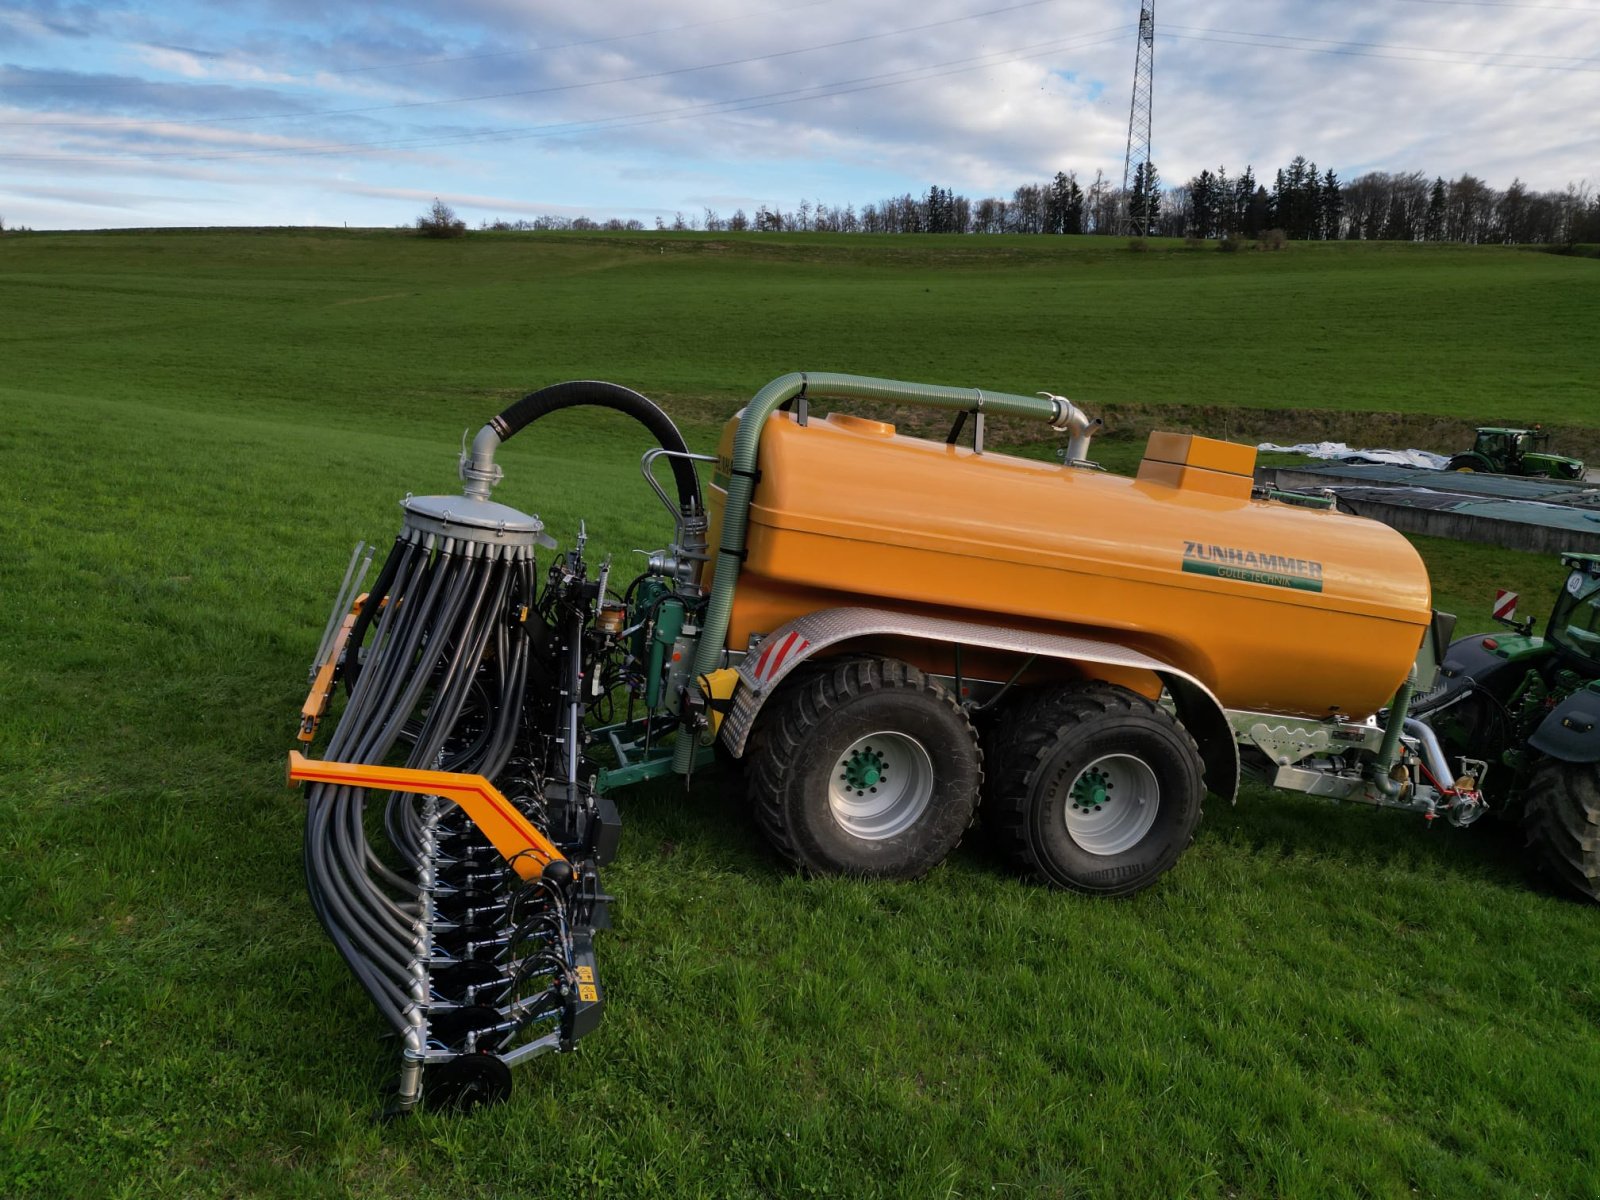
x=286 y=112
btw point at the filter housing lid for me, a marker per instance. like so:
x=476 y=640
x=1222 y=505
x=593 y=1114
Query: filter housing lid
x=463 y=518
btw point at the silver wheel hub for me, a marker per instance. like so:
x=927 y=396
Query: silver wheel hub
x=880 y=785
x=1111 y=804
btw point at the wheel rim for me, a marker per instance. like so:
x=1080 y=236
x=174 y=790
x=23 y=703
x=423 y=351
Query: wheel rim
x=880 y=785
x=1112 y=804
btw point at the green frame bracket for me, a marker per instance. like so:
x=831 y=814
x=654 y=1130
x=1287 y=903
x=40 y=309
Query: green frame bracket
x=639 y=758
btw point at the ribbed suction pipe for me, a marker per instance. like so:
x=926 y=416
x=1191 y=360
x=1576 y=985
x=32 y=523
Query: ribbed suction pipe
x=1056 y=411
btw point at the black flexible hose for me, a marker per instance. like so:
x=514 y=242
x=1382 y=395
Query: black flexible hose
x=375 y=593
x=595 y=393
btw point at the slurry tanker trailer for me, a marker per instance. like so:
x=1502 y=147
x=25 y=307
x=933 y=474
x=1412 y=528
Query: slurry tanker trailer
x=892 y=634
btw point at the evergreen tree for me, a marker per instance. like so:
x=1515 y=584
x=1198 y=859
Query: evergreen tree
x=1433 y=230
x=1202 y=205
x=1258 y=213
x=1074 y=215
x=1248 y=211
x=1064 y=194
x=1332 y=205
x=1144 y=204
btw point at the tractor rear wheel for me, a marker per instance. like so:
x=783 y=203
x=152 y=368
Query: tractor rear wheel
x=1561 y=816
x=868 y=768
x=1093 y=788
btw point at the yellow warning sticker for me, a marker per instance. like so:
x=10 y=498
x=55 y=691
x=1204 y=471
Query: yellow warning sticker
x=585 y=974
x=588 y=991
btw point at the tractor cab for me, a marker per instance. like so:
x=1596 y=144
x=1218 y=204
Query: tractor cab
x=1501 y=446
x=1575 y=620
x=1506 y=448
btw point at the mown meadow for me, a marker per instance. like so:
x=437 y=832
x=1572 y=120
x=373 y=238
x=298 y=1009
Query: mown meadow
x=1318 y=1001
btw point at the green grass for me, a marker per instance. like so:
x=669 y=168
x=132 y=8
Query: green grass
x=318 y=320
x=1317 y=1001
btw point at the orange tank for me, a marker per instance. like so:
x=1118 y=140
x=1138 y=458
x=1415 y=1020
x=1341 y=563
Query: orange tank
x=1275 y=607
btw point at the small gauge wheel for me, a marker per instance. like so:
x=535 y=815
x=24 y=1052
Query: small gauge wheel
x=468 y=1082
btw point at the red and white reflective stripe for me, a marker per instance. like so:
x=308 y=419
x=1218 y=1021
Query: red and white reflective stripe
x=761 y=663
x=1505 y=605
x=775 y=653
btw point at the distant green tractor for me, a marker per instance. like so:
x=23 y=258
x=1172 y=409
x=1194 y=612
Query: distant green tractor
x=1515 y=452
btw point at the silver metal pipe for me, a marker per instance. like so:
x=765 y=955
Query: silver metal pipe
x=1432 y=752
x=479 y=472
x=1071 y=419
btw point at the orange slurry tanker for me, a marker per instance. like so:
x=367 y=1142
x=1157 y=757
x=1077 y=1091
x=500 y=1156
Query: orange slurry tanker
x=896 y=636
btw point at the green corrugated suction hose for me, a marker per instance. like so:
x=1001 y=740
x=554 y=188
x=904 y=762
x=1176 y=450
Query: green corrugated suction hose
x=1053 y=410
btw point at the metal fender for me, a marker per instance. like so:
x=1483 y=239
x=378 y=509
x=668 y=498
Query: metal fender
x=1572 y=730
x=1468 y=665
x=791 y=644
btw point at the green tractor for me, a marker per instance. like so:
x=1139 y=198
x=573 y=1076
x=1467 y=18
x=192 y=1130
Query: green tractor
x=1515 y=452
x=1527 y=711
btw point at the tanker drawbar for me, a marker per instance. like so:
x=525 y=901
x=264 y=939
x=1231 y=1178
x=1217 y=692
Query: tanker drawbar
x=889 y=631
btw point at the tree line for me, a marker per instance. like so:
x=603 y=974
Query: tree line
x=1302 y=201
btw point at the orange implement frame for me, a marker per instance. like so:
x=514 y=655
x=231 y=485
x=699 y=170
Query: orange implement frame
x=322 y=683
x=524 y=847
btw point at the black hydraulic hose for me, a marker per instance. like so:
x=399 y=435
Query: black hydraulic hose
x=472 y=632
x=594 y=393
x=352 y=848
x=379 y=589
x=388 y=998
x=344 y=899
x=409 y=561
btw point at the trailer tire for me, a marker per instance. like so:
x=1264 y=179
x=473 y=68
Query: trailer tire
x=1561 y=817
x=1056 y=766
x=868 y=768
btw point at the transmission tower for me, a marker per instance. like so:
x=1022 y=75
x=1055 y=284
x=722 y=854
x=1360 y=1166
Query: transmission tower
x=1144 y=76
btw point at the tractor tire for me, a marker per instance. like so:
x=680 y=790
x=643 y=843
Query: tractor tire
x=1561 y=817
x=1467 y=464
x=1093 y=788
x=868 y=769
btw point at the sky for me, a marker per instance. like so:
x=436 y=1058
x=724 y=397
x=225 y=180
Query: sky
x=300 y=112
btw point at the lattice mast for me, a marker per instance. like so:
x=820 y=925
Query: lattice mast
x=1144 y=72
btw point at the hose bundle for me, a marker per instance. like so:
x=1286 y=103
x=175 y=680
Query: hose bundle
x=438 y=658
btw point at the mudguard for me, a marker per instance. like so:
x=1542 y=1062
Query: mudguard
x=1571 y=732
x=786 y=647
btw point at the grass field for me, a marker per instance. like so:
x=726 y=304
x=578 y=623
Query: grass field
x=1317 y=1001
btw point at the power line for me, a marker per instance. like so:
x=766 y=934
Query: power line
x=1365 y=50
x=1295 y=37
x=423 y=62
x=1593 y=12
x=620 y=37
x=733 y=62
x=659 y=116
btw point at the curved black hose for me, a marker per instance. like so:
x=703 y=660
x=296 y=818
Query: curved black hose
x=595 y=393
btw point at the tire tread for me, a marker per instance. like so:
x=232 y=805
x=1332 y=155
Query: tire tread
x=1020 y=746
x=1561 y=820
x=781 y=735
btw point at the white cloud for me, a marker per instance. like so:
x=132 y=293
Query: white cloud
x=628 y=107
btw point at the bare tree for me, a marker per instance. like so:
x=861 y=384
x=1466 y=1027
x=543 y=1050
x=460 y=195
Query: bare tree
x=440 y=221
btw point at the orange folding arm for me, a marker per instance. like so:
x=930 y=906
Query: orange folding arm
x=524 y=847
x=317 y=699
